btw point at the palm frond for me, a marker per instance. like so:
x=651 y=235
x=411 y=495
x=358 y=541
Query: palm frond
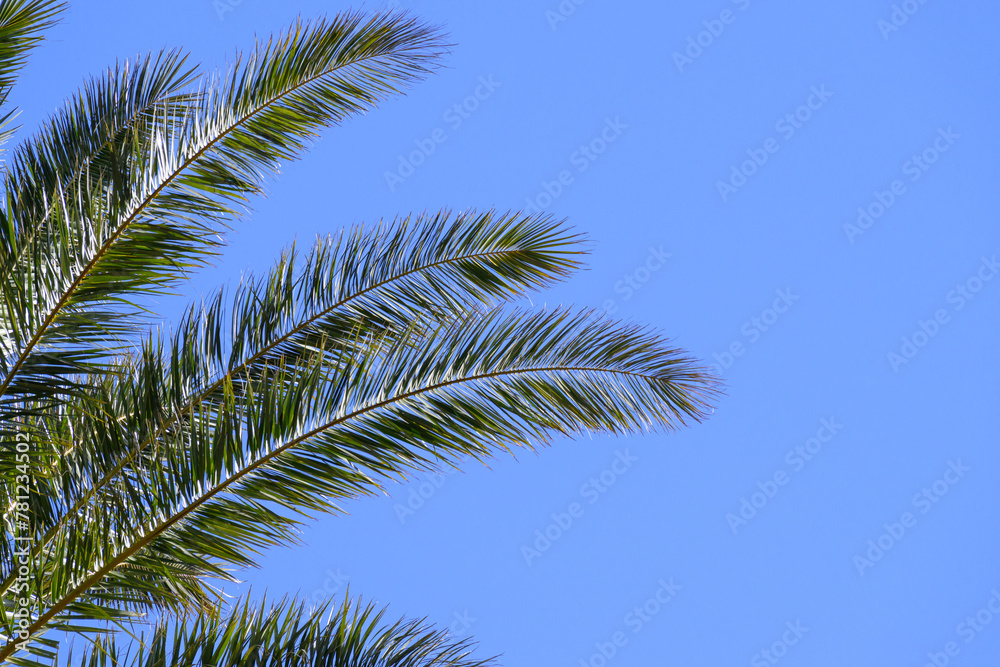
x=302 y=439
x=336 y=634
x=86 y=143
x=348 y=290
x=122 y=240
x=22 y=23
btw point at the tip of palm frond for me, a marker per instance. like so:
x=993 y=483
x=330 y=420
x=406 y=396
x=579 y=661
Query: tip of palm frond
x=22 y=23
x=416 y=45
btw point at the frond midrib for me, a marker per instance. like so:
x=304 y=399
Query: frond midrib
x=75 y=176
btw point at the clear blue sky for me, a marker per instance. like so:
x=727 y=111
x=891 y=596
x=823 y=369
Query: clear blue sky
x=717 y=152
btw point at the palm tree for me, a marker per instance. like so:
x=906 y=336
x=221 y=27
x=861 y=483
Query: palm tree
x=142 y=466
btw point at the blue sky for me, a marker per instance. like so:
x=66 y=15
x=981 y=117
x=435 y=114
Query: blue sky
x=800 y=193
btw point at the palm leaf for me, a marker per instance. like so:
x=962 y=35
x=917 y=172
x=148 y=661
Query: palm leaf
x=380 y=283
x=140 y=229
x=346 y=635
x=301 y=441
x=21 y=25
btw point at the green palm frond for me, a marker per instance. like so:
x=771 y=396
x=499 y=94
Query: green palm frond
x=335 y=634
x=347 y=290
x=300 y=441
x=22 y=23
x=435 y=268
x=140 y=228
x=84 y=145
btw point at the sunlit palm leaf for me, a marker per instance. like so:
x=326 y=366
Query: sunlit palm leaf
x=343 y=293
x=22 y=23
x=138 y=229
x=303 y=441
x=334 y=635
